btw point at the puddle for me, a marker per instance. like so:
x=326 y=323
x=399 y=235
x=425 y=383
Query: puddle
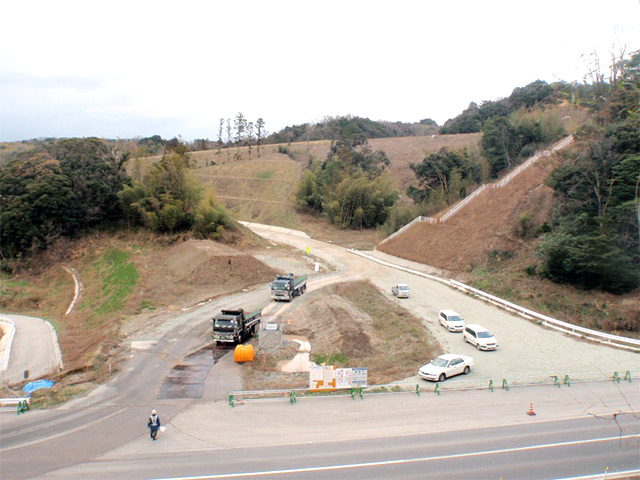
x=186 y=379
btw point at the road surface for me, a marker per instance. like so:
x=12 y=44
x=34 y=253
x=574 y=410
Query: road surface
x=104 y=434
x=35 y=350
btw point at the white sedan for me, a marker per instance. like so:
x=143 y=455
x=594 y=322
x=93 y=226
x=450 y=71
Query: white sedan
x=446 y=366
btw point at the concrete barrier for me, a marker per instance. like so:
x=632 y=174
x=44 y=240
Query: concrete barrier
x=6 y=342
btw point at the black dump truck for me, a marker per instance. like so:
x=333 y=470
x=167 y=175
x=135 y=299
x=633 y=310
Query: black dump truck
x=235 y=326
x=285 y=287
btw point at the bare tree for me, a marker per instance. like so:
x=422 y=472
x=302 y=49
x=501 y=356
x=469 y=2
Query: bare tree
x=229 y=132
x=220 y=129
x=240 y=124
x=260 y=132
x=250 y=136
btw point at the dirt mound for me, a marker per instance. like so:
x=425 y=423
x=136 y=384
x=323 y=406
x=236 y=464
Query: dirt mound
x=199 y=270
x=332 y=324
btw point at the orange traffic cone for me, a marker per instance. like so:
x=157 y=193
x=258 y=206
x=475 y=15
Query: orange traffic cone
x=531 y=412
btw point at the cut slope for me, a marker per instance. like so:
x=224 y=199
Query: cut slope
x=483 y=226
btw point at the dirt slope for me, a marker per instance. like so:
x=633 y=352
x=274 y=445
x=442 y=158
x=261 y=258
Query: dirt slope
x=484 y=225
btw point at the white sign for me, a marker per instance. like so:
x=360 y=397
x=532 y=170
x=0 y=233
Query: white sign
x=328 y=377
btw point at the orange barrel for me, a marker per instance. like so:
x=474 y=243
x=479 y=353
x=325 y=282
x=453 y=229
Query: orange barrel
x=244 y=353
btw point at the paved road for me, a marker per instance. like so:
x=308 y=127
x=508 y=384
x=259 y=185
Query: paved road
x=527 y=351
x=104 y=434
x=579 y=430
x=34 y=352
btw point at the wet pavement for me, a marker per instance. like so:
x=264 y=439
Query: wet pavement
x=187 y=379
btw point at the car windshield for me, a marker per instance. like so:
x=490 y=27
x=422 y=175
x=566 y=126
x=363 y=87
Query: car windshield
x=403 y=287
x=280 y=285
x=224 y=325
x=455 y=319
x=485 y=335
x=439 y=362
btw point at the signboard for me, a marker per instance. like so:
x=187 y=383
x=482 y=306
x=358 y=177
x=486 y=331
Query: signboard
x=328 y=377
x=359 y=377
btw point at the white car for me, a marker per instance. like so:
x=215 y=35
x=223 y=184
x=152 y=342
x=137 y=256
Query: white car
x=479 y=337
x=451 y=320
x=400 y=290
x=445 y=366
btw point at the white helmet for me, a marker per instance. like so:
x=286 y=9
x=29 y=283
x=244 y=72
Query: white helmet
x=153 y=412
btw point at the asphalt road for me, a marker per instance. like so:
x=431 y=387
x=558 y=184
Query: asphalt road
x=103 y=435
x=33 y=353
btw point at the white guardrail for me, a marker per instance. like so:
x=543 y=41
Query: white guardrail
x=593 y=335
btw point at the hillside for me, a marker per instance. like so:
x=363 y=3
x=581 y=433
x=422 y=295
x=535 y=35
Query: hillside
x=485 y=225
x=260 y=189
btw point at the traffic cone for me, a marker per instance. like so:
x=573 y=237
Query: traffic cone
x=531 y=412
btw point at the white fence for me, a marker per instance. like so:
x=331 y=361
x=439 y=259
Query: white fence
x=451 y=212
x=456 y=208
x=593 y=335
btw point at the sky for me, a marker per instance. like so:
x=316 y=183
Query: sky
x=126 y=69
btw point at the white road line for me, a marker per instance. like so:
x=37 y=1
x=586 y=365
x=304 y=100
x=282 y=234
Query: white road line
x=397 y=462
x=61 y=434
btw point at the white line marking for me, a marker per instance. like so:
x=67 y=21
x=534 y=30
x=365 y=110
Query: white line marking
x=61 y=434
x=396 y=462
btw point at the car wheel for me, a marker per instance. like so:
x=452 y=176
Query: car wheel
x=478 y=346
x=465 y=339
x=467 y=370
x=442 y=377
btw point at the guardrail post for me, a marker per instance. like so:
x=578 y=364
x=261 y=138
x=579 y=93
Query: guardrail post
x=491 y=385
x=505 y=385
x=567 y=381
x=627 y=376
x=231 y=400
x=616 y=377
x=23 y=406
x=556 y=381
x=417 y=389
x=438 y=388
x=292 y=397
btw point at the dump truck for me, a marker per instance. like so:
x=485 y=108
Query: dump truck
x=285 y=287
x=234 y=326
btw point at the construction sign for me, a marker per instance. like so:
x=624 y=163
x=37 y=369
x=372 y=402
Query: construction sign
x=324 y=378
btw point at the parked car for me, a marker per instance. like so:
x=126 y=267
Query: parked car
x=400 y=290
x=479 y=337
x=451 y=320
x=445 y=366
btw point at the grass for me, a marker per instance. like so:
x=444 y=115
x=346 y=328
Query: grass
x=119 y=278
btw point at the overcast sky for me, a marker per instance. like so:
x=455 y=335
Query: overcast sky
x=126 y=69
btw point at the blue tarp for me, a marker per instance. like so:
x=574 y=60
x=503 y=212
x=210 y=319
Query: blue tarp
x=30 y=387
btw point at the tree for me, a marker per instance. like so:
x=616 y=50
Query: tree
x=38 y=205
x=260 y=132
x=240 y=125
x=250 y=137
x=220 y=129
x=97 y=175
x=229 y=138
